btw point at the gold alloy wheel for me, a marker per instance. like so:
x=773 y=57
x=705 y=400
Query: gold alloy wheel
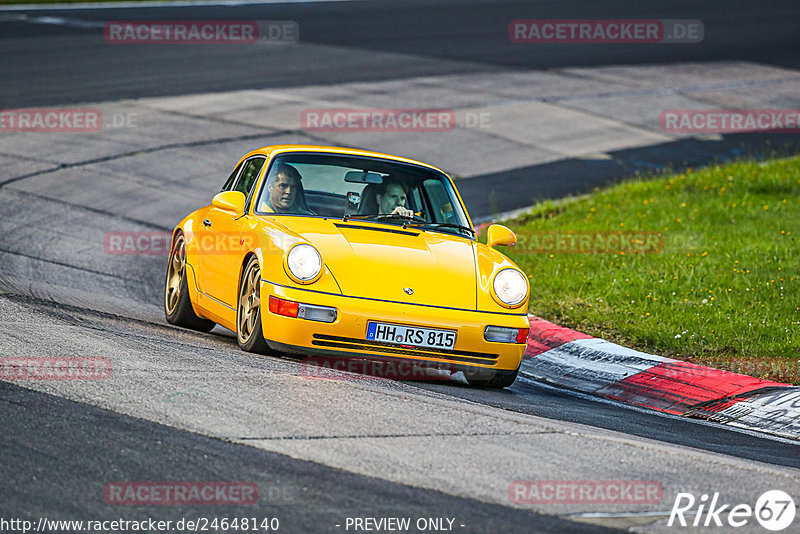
x=175 y=273
x=249 y=302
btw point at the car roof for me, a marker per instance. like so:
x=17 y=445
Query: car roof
x=276 y=149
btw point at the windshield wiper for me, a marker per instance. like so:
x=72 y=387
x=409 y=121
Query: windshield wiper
x=439 y=225
x=415 y=220
x=390 y=216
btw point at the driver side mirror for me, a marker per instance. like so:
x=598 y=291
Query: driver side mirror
x=229 y=201
x=500 y=235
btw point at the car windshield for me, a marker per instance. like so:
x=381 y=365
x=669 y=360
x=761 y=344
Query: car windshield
x=362 y=188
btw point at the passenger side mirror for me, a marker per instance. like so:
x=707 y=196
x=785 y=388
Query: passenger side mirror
x=500 y=235
x=229 y=201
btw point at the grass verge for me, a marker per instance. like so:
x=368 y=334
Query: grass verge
x=705 y=265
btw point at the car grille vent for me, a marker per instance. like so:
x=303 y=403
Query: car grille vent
x=363 y=345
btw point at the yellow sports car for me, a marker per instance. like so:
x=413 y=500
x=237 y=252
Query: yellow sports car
x=344 y=253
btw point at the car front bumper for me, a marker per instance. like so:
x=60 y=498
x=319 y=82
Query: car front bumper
x=346 y=336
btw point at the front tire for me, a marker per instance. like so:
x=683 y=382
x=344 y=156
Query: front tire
x=249 y=333
x=177 y=304
x=492 y=379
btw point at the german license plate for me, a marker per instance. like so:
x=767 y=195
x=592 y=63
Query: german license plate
x=411 y=335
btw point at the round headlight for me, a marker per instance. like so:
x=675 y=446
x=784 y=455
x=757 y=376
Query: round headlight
x=510 y=287
x=304 y=262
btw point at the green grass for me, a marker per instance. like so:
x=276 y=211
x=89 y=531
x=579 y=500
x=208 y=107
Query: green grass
x=723 y=290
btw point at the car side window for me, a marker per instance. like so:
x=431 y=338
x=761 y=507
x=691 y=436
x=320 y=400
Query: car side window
x=231 y=179
x=250 y=172
x=434 y=190
x=415 y=202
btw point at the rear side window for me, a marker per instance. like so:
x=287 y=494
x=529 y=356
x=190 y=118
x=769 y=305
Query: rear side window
x=250 y=171
x=231 y=179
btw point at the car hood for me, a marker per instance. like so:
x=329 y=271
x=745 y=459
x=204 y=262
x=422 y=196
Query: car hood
x=387 y=262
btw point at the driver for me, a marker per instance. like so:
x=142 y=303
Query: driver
x=285 y=192
x=392 y=199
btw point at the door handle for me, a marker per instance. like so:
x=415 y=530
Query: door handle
x=207 y=222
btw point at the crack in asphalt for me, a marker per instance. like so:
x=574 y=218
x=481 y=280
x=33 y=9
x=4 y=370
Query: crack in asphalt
x=210 y=118
x=421 y=435
x=93 y=210
x=63 y=264
x=160 y=148
x=22 y=157
x=670 y=90
x=59 y=310
x=67 y=313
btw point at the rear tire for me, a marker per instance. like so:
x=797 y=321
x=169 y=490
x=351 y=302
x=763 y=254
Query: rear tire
x=249 y=332
x=177 y=303
x=492 y=379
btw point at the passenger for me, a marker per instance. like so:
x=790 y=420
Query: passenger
x=285 y=192
x=392 y=199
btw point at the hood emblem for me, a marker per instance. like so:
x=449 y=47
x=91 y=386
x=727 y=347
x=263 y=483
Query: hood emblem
x=408 y=290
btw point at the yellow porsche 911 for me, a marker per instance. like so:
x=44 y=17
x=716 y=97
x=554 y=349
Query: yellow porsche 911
x=344 y=253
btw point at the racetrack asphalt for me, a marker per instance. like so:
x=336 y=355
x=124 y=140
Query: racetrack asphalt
x=362 y=42
x=188 y=406
x=86 y=444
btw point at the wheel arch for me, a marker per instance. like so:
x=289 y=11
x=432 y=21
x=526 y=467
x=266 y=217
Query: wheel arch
x=245 y=261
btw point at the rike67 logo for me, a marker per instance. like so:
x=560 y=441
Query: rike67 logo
x=774 y=510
